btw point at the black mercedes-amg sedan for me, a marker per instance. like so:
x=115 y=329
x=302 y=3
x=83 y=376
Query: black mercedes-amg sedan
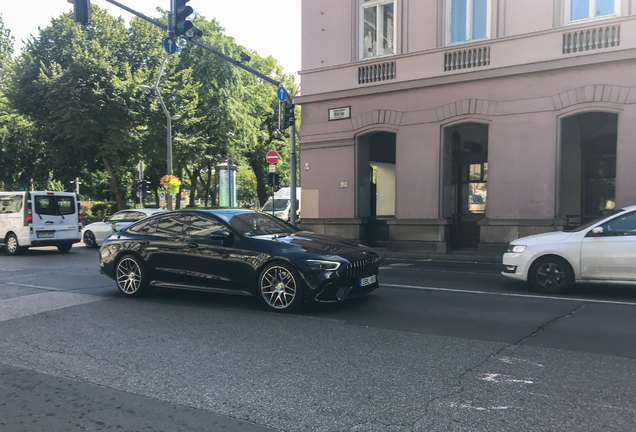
x=238 y=252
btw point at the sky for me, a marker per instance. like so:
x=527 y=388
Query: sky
x=259 y=25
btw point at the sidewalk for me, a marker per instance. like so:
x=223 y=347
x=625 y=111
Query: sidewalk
x=466 y=256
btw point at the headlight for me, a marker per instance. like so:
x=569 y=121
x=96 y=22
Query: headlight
x=322 y=265
x=516 y=248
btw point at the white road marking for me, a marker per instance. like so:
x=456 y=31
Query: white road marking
x=34 y=286
x=498 y=378
x=512 y=360
x=572 y=299
x=33 y=304
x=468 y=406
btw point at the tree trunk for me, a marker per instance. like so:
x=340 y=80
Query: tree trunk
x=194 y=175
x=115 y=186
x=261 y=191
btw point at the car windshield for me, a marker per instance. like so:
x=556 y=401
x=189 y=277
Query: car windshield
x=257 y=224
x=595 y=221
x=279 y=205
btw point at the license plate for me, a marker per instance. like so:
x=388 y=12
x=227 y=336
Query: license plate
x=368 y=280
x=45 y=235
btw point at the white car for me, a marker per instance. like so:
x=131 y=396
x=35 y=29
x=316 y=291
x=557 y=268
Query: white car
x=603 y=250
x=97 y=232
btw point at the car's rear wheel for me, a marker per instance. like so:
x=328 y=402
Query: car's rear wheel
x=89 y=239
x=12 y=245
x=130 y=275
x=551 y=275
x=65 y=247
x=280 y=287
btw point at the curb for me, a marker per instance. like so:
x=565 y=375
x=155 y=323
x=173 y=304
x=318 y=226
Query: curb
x=463 y=257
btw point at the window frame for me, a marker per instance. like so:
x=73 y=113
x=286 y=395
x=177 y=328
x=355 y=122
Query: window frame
x=590 y=17
x=379 y=27
x=469 y=22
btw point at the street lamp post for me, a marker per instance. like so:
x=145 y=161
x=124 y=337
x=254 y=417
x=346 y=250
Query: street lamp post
x=169 y=119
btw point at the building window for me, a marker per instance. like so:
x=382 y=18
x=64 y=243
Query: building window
x=377 y=28
x=578 y=10
x=467 y=20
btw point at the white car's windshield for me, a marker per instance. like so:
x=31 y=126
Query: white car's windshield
x=279 y=205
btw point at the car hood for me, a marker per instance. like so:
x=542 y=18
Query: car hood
x=320 y=244
x=550 y=237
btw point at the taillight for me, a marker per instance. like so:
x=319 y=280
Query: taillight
x=29 y=218
x=79 y=214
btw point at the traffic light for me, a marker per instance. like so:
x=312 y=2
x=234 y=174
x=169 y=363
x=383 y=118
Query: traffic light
x=182 y=24
x=288 y=114
x=273 y=179
x=82 y=11
x=145 y=187
x=137 y=185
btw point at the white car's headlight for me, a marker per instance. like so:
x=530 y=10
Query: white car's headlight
x=516 y=248
x=322 y=265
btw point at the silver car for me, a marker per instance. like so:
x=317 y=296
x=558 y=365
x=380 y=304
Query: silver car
x=95 y=233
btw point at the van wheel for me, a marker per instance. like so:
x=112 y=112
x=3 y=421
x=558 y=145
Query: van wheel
x=12 y=245
x=65 y=247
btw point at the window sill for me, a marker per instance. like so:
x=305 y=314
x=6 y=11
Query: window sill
x=453 y=44
x=591 y=20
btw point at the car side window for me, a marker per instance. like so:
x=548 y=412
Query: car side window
x=118 y=217
x=139 y=216
x=203 y=226
x=624 y=225
x=10 y=204
x=145 y=228
x=171 y=225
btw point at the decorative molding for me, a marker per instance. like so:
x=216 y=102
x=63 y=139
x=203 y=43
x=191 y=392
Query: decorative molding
x=376 y=117
x=467 y=58
x=466 y=106
x=592 y=39
x=591 y=93
x=377 y=72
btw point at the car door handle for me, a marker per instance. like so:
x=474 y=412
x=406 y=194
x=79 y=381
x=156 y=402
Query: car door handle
x=144 y=242
x=193 y=245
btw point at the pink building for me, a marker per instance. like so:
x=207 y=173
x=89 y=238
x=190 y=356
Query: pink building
x=438 y=124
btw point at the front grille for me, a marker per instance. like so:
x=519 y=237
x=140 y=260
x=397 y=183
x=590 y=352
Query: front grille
x=361 y=268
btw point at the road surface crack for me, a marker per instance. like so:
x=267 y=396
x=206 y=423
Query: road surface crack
x=511 y=347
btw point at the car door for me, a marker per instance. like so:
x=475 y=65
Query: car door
x=45 y=217
x=163 y=249
x=610 y=253
x=211 y=261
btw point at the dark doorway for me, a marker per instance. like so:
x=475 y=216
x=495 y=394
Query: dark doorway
x=376 y=185
x=465 y=182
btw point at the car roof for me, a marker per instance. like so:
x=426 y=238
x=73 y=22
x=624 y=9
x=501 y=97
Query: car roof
x=630 y=208
x=216 y=211
x=147 y=211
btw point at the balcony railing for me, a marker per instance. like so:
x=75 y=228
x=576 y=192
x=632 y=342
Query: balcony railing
x=377 y=72
x=467 y=58
x=591 y=39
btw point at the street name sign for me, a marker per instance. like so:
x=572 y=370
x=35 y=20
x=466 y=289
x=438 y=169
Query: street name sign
x=340 y=113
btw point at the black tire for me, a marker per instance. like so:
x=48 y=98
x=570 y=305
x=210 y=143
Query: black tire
x=131 y=276
x=65 y=247
x=280 y=287
x=551 y=275
x=13 y=246
x=89 y=240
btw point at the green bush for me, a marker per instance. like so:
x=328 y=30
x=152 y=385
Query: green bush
x=97 y=211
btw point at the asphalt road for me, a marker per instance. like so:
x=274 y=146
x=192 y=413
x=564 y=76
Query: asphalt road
x=441 y=346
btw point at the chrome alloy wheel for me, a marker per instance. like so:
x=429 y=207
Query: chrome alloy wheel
x=128 y=276
x=278 y=287
x=551 y=275
x=12 y=244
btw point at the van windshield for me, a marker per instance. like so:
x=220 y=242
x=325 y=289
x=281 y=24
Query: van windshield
x=279 y=205
x=51 y=205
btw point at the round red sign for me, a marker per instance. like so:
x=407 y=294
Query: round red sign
x=272 y=156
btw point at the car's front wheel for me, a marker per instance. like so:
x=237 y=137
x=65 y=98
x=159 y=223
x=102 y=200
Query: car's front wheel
x=551 y=275
x=89 y=239
x=280 y=287
x=130 y=275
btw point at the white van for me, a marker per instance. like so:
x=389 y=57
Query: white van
x=29 y=219
x=281 y=205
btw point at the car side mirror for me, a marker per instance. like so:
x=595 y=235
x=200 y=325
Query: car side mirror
x=597 y=231
x=105 y=220
x=220 y=235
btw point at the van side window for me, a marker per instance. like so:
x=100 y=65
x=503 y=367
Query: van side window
x=10 y=204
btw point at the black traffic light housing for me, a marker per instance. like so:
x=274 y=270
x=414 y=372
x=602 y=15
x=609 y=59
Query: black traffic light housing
x=145 y=187
x=82 y=11
x=288 y=114
x=273 y=179
x=182 y=25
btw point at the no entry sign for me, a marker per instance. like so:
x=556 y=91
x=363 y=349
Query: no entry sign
x=272 y=156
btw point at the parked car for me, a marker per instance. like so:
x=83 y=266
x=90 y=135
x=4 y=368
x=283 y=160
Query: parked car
x=97 y=232
x=39 y=218
x=238 y=252
x=603 y=250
